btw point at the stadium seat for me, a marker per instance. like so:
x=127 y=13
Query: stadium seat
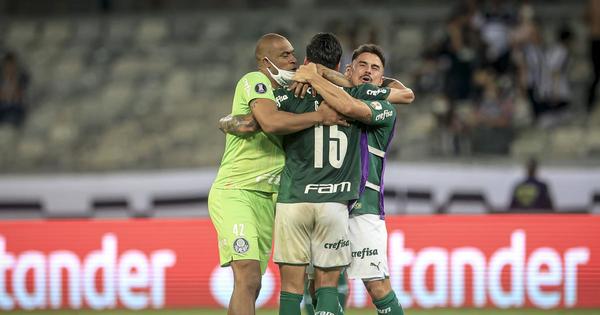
x=20 y=34
x=55 y=32
x=128 y=68
x=218 y=29
x=121 y=30
x=593 y=141
x=86 y=31
x=67 y=72
x=151 y=31
x=568 y=142
x=594 y=118
x=529 y=143
x=408 y=41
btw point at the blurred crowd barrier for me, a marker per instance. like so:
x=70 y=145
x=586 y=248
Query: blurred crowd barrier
x=410 y=188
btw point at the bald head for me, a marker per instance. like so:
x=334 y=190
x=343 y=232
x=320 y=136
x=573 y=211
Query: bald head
x=269 y=46
x=274 y=53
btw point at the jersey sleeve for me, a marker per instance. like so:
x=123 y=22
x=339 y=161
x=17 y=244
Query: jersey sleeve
x=383 y=113
x=369 y=92
x=256 y=85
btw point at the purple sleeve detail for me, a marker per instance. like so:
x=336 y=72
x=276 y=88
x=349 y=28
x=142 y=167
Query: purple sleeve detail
x=364 y=165
x=381 y=186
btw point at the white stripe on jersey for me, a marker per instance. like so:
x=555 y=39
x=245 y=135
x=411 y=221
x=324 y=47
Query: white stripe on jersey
x=373 y=186
x=376 y=151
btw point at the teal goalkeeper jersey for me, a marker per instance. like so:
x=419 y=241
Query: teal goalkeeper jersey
x=379 y=133
x=323 y=163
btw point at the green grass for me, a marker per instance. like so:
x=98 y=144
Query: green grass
x=348 y=312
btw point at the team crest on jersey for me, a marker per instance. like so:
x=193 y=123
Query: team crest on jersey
x=260 y=88
x=240 y=245
x=376 y=105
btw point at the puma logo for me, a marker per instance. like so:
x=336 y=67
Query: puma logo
x=376 y=266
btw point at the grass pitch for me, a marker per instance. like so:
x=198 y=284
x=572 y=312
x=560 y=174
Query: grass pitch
x=366 y=311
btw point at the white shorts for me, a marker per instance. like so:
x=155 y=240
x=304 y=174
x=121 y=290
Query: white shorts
x=368 y=241
x=314 y=233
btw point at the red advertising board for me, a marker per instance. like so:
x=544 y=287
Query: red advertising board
x=543 y=261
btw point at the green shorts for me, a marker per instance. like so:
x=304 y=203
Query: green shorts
x=244 y=223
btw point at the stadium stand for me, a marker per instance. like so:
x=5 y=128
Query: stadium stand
x=113 y=74
x=136 y=87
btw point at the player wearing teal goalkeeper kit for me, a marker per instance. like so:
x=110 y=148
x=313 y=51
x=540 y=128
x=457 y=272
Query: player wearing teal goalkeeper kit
x=368 y=234
x=240 y=202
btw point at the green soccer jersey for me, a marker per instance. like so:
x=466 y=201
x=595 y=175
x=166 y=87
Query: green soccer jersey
x=323 y=163
x=252 y=162
x=379 y=133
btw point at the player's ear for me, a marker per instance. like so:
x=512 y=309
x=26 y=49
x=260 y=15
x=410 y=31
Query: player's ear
x=266 y=62
x=347 y=69
x=306 y=61
x=337 y=67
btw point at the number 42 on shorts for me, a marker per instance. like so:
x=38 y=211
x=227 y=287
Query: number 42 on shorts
x=238 y=229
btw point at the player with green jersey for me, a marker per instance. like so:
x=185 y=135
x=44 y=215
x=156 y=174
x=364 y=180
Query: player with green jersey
x=368 y=234
x=322 y=174
x=240 y=202
x=320 y=164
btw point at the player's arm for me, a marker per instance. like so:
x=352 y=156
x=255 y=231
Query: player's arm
x=244 y=125
x=334 y=77
x=336 y=97
x=272 y=120
x=300 y=88
x=399 y=94
x=239 y=125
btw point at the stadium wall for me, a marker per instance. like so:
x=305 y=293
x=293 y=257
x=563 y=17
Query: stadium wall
x=411 y=188
x=540 y=261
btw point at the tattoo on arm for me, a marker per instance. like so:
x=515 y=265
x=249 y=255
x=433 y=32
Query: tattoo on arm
x=239 y=125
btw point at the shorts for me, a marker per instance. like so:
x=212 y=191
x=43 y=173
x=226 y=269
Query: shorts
x=368 y=241
x=314 y=233
x=244 y=223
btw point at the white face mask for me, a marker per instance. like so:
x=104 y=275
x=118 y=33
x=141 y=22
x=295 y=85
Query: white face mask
x=283 y=77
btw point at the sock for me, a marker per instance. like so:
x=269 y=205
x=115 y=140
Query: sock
x=342 y=290
x=309 y=303
x=289 y=303
x=389 y=305
x=309 y=308
x=328 y=303
x=340 y=309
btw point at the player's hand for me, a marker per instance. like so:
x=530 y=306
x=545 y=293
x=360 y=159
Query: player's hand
x=305 y=73
x=330 y=116
x=300 y=89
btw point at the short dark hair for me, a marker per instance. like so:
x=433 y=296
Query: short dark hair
x=325 y=49
x=369 y=48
